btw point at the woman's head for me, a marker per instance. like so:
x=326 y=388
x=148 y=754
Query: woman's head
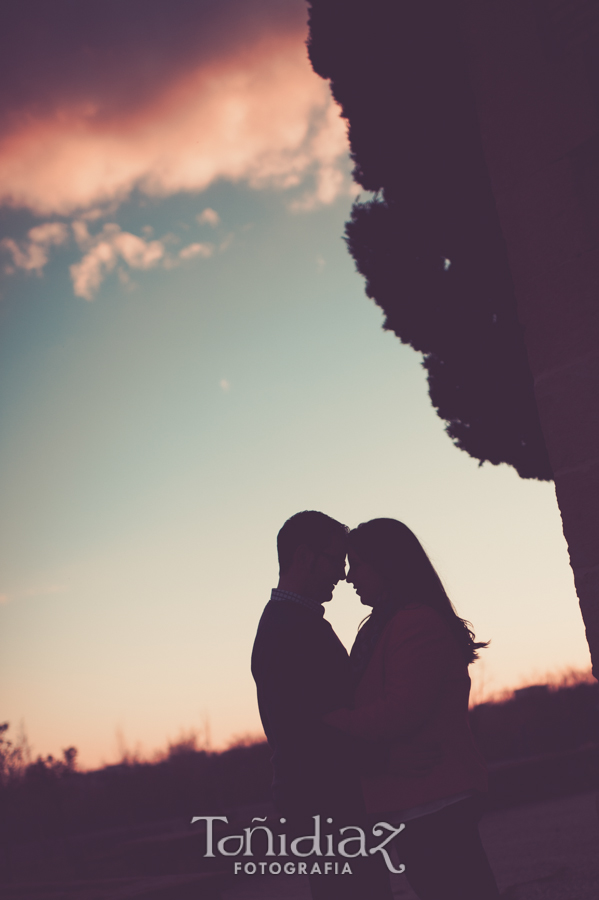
x=388 y=567
x=387 y=559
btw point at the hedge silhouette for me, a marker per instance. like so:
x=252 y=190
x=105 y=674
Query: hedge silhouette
x=429 y=244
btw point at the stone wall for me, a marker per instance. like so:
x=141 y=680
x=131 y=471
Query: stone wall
x=534 y=68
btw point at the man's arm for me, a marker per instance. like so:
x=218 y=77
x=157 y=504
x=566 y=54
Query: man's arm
x=287 y=679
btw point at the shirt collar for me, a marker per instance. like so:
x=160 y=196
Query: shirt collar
x=290 y=596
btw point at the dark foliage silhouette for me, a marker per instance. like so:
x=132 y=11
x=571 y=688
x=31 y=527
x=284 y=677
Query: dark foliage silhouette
x=430 y=245
x=49 y=796
x=536 y=720
x=133 y=819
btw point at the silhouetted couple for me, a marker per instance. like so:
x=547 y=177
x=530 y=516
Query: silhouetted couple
x=381 y=735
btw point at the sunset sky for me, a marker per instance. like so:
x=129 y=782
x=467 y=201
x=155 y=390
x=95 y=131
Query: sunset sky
x=187 y=359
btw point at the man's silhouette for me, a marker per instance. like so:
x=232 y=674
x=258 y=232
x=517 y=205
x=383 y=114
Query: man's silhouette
x=302 y=671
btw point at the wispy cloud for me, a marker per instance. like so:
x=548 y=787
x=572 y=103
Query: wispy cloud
x=203 y=250
x=112 y=245
x=39 y=590
x=33 y=253
x=102 y=252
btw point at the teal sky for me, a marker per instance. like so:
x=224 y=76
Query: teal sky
x=156 y=435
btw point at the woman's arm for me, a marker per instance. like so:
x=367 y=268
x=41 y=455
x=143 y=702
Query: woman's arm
x=417 y=655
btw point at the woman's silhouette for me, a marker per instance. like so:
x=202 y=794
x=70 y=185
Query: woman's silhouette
x=411 y=662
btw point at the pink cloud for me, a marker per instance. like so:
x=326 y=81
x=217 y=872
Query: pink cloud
x=208 y=217
x=259 y=115
x=110 y=59
x=100 y=99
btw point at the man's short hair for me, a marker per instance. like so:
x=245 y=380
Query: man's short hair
x=312 y=528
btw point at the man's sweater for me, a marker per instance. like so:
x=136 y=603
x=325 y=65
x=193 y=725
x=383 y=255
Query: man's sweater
x=302 y=671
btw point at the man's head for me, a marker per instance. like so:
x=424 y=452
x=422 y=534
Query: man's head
x=312 y=550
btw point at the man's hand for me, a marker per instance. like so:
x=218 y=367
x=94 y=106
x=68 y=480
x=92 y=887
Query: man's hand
x=414 y=760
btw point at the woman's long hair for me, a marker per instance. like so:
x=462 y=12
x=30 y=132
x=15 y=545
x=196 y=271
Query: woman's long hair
x=396 y=554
